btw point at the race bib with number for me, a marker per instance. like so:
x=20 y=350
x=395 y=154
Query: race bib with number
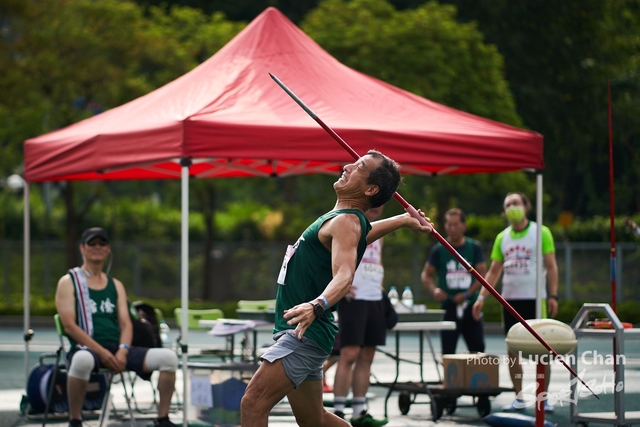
x=291 y=250
x=517 y=267
x=372 y=272
x=459 y=279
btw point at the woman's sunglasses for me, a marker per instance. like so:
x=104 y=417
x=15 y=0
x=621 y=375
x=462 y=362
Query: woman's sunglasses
x=99 y=243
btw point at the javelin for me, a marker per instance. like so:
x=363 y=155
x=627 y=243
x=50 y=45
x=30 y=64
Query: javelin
x=414 y=213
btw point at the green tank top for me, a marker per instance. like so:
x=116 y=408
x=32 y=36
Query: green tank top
x=452 y=276
x=104 y=311
x=308 y=274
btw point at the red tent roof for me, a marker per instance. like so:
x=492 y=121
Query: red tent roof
x=232 y=119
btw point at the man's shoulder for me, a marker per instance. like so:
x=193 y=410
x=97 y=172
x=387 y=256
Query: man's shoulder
x=501 y=234
x=65 y=279
x=436 y=248
x=472 y=242
x=344 y=218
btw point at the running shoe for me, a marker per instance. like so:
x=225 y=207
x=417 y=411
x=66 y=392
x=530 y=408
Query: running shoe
x=548 y=407
x=516 y=405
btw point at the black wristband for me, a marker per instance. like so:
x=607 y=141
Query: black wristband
x=555 y=297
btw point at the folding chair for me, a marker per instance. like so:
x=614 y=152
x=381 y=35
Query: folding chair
x=266 y=305
x=61 y=364
x=258 y=310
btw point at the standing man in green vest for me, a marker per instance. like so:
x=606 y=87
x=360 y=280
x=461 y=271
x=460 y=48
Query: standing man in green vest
x=514 y=254
x=94 y=312
x=457 y=289
x=316 y=273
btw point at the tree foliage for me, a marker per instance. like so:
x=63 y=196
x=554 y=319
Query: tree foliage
x=558 y=58
x=67 y=60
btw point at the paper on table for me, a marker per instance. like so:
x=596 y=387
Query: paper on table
x=201 y=394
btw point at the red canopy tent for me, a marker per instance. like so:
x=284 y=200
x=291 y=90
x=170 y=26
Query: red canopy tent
x=229 y=119
x=229 y=115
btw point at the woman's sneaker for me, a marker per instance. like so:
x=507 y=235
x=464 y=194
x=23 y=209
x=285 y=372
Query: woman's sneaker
x=516 y=405
x=366 y=420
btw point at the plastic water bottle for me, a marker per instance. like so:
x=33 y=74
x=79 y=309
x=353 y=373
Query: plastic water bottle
x=407 y=297
x=164 y=333
x=393 y=295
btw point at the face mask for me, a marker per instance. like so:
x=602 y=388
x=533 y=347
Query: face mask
x=515 y=213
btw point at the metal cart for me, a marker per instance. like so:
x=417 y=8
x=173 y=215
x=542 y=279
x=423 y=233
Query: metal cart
x=618 y=335
x=441 y=398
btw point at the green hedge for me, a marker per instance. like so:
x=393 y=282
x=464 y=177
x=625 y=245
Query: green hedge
x=41 y=306
x=146 y=220
x=627 y=310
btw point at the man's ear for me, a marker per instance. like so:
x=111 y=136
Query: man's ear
x=372 y=190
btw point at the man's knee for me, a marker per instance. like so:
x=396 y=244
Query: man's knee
x=250 y=404
x=82 y=363
x=161 y=359
x=348 y=355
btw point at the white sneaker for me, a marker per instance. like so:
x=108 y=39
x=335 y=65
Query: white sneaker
x=548 y=408
x=516 y=405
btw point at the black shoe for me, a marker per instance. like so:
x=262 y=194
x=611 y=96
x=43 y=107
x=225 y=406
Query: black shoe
x=75 y=423
x=339 y=414
x=163 y=422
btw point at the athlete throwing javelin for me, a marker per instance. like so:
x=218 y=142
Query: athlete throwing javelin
x=316 y=273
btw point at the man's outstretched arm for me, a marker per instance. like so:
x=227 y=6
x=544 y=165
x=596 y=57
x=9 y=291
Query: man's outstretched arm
x=385 y=226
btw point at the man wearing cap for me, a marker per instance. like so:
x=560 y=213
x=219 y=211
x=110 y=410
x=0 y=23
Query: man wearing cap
x=94 y=313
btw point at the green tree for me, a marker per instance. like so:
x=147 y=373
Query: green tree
x=558 y=58
x=67 y=60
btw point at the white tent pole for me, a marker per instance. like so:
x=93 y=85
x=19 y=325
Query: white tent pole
x=27 y=279
x=540 y=264
x=184 y=284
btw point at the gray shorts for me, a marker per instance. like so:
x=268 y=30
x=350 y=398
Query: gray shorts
x=302 y=359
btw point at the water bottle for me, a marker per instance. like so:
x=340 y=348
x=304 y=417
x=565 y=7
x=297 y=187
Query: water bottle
x=164 y=333
x=407 y=297
x=393 y=295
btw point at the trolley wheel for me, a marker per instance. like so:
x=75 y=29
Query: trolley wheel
x=437 y=408
x=404 y=402
x=450 y=405
x=483 y=406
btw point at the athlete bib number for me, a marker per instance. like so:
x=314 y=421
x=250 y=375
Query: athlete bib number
x=458 y=279
x=372 y=272
x=291 y=250
x=517 y=267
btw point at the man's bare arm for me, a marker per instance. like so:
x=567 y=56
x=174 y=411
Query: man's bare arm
x=341 y=234
x=428 y=272
x=552 y=278
x=495 y=270
x=385 y=226
x=124 y=321
x=480 y=267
